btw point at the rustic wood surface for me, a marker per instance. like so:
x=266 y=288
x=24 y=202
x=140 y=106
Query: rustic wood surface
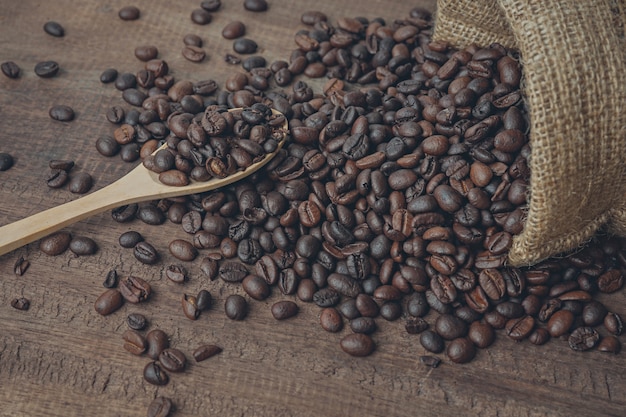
x=60 y=358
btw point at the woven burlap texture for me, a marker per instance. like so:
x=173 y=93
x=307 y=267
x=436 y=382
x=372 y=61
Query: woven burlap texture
x=574 y=64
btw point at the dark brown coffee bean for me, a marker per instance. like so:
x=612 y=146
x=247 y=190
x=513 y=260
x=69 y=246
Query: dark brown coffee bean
x=613 y=323
x=20 y=266
x=560 y=323
x=432 y=342
x=10 y=69
x=594 y=313
x=173 y=360
x=108 y=302
x=108 y=75
x=365 y=325
x=357 y=344
x=193 y=53
x=136 y=321
x=331 y=320
x=146 y=253
x=107 y=146
x=539 y=336
x=176 y=273
x=134 y=289
x=157 y=341
x=134 y=342
x=193 y=40
x=183 y=250
x=6 y=161
x=130 y=239
x=20 y=303
x=481 y=334
x=146 y=52
x=160 y=407
x=111 y=279
x=520 y=328
x=234 y=30
x=236 y=307
x=55 y=244
x=190 y=307
x=211 y=5
x=583 y=338
x=201 y=17
x=610 y=344
x=61 y=113
x=83 y=246
x=245 y=46
x=255 y=5
x=204 y=352
x=56 y=178
x=204 y=300
x=283 y=310
x=154 y=374
x=129 y=13
x=611 y=281
x=47 y=69
x=461 y=350
x=256 y=287
x=450 y=327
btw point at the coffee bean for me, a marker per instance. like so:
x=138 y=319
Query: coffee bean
x=283 y=310
x=193 y=53
x=20 y=303
x=55 y=244
x=613 y=323
x=80 y=183
x=151 y=215
x=432 y=342
x=201 y=17
x=461 y=350
x=83 y=246
x=610 y=344
x=192 y=40
x=211 y=5
x=365 y=325
x=130 y=239
x=594 y=313
x=236 y=307
x=583 y=338
x=611 y=281
x=255 y=5
x=61 y=113
x=245 y=46
x=146 y=52
x=10 y=69
x=234 y=30
x=176 y=273
x=256 y=287
x=136 y=321
x=539 y=336
x=108 y=302
x=450 y=327
x=160 y=407
x=47 y=69
x=108 y=75
x=183 y=250
x=357 y=344
x=481 y=334
x=157 y=342
x=173 y=360
x=154 y=374
x=431 y=361
x=6 y=161
x=124 y=213
x=331 y=320
x=134 y=342
x=204 y=300
x=204 y=352
x=520 y=328
x=129 y=13
x=107 y=146
x=134 y=289
x=190 y=307
x=20 y=266
x=146 y=253
x=111 y=279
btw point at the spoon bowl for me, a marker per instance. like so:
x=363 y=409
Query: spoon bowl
x=138 y=185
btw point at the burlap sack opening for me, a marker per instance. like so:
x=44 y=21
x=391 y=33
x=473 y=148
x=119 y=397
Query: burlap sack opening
x=574 y=61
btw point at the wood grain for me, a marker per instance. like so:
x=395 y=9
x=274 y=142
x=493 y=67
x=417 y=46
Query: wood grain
x=61 y=358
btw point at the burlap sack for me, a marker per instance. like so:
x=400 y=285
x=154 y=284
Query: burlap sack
x=574 y=61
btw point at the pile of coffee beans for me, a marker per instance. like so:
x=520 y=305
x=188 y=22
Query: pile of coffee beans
x=397 y=197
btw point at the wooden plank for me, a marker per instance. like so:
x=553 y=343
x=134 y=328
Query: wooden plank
x=61 y=358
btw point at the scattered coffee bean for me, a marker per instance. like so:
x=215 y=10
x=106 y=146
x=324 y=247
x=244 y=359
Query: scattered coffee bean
x=357 y=344
x=134 y=342
x=146 y=253
x=431 y=361
x=201 y=17
x=61 y=113
x=20 y=303
x=190 y=307
x=610 y=344
x=134 y=289
x=236 y=307
x=146 y=52
x=204 y=300
x=108 y=302
x=193 y=53
x=20 y=266
x=111 y=279
x=55 y=244
x=255 y=5
x=129 y=13
x=6 y=161
x=204 y=352
x=137 y=321
x=10 y=69
x=80 y=183
x=108 y=75
x=583 y=338
x=130 y=239
x=47 y=69
x=160 y=407
x=157 y=341
x=234 y=30
x=245 y=46
x=461 y=350
x=211 y=5
x=282 y=310
x=65 y=165
x=173 y=360
x=154 y=374
x=83 y=246
x=54 y=29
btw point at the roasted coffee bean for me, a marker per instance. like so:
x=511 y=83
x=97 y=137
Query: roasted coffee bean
x=183 y=250
x=108 y=302
x=136 y=321
x=283 y=310
x=129 y=13
x=391 y=311
x=255 y=5
x=151 y=215
x=365 y=325
x=61 y=113
x=520 y=328
x=124 y=213
x=22 y=304
x=431 y=361
x=55 y=244
x=83 y=246
x=610 y=344
x=357 y=344
x=193 y=53
x=331 y=320
x=173 y=360
x=160 y=407
x=56 y=178
x=6 y=161
x=461 y=350
x=234 y=30
x=146 y=253
x=583 y=338
x=539 y=336
x=611 y=281
x=80 y=183
x=134 y=342
x=481 y=334
x=201 y=17
x=10 y=69
x=190 y=307
x=204 y=352
x=204 y=300
x=560 y=323
x=176 y=273
x=153 y=374
x=256 y=287
x=111 y=279
x=107 y=146
x=47 y=69
x=236 y=307
x=108 y=75
x=450 y=327
x=20 y=266
x=130 y=239
x=432 y=342
x=157 y=342
x=134 y=289
x=594 y=313
x=245 y=46
x=613 y=323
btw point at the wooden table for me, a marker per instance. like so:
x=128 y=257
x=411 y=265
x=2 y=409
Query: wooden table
x=61 y=358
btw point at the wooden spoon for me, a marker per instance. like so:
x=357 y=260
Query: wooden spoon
x=138 y=185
